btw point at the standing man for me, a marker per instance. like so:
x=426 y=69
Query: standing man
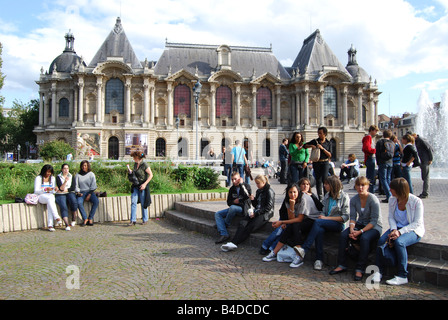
x=369 y=155
x=237 y=196
x=425 y=153
x=283 y=156
x=385 y=150
x=239 y=157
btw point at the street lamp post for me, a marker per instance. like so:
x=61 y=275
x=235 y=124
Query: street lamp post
x=197 y=91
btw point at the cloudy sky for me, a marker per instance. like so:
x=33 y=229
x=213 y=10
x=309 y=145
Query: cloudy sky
x=401 y=44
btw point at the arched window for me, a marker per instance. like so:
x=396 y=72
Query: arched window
x=264 y=103
x=182 y=100
x=330 y=102
x=267 y=147
x=64 y=107
x=114 y=96
x=113 y=148
x=160 y=147
x=223 y=102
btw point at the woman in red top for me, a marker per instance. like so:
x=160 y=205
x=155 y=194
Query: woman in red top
x=369 y=155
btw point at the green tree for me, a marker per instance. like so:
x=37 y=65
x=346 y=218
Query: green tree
x=55 y=149
x=2 y=78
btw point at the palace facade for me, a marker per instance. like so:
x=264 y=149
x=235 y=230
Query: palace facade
x=118 y=103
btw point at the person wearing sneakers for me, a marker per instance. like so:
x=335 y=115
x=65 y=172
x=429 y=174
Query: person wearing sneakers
x=85 y=185
x=45 y=187
x=302 y=212
x=66 y=195
x=238 y=194
x=263 y=203
x=334 y=214
x=406 y=228
x=364 y=229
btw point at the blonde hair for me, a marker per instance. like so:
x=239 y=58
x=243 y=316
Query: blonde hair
x=362 y=181
x=262 y=178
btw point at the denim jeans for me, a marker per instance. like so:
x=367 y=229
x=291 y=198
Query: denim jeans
x=384 y=175
x=296 y=171
x=403 y=241
x=272 y=240
x=370 y=172
x=93 y=199
x=135 y=195
x=224 y=218
x=366 y=239
x=228 y=173
x=316 y=234
x=63 y=199
x=406 y=173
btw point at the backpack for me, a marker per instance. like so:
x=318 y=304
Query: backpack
x=389 y=150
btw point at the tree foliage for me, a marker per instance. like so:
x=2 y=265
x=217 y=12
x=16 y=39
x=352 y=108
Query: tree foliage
x=55 y=149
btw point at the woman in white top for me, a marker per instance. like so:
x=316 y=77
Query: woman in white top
x=45 y=187
x=406 y=228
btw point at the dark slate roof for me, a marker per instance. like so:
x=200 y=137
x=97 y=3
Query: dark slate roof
x=68 y=61
x=358 y=73
x=116 y=45
x=244 y=60
x=315 y=54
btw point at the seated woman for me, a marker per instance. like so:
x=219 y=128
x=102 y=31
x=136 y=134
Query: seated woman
x=365 y=227
x=271 y=241
x=85 y=185
x=263 y=202
x=66 y=195
x=350 y=168
x=302 y=212
x=335 y=214
x=45 y=187
x=406 y=228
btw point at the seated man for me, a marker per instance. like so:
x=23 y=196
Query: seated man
x=349 y=169
x=235 y=200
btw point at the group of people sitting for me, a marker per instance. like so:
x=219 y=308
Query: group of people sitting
x=68 y=192
x=304 y=219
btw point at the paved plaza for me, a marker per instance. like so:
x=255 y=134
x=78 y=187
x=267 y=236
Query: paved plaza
x=159 y=260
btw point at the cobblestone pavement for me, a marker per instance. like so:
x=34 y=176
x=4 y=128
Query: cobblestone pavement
x=162 y=261
x=113 y=261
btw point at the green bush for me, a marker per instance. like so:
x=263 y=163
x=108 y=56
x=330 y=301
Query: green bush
x=16 y=180
x=55 y=149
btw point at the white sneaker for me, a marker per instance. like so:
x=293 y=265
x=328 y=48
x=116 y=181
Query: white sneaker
x=67 y=228
x=297 y=262
x=59 y=223
x=270 y=257
x=300 y=251
x=229 y=246
x=397 y=281
x=51 y=229
x=377 y=277
x=317 y=265
x=73 y=223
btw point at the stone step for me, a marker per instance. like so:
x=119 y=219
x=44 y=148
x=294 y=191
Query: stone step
x=426 y=263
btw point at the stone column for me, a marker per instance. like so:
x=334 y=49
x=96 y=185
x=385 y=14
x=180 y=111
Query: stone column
x=360 y=126
x=41 y=109
x=75 y=106
x=372 y=109
x=254 y=106
x=53 y=103
x=170 y=108
x=278 y=106
x=145 y=103
x=321 y=111
x=212 y=112
x=306 y=107
x=238 y=105
x=99 y=100
x=297 y=107
x=344 y=107
x=81 y=101
x=127 y=101
x=153 y=103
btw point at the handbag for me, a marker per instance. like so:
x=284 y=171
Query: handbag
x=286 y=254
x=248 y=208
x=307 y=173
x=31 y=198
x=315 y=154
x=388 y=253
x=133 y=179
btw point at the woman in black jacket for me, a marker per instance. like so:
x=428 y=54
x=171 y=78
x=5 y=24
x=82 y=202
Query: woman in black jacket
x=263 y=203
x=410 y=158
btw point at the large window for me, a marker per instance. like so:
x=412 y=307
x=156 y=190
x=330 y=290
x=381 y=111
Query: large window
x=224 y=101
x=182 y=100
x=264 y=103
x=63 y=107
x=330 y=102
x=114 y=96
x=160 y=147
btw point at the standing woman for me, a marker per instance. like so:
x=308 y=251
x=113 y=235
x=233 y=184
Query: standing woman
x=365 y=227
x=85 y=185
x=140 y=193
x=45 y=187
x=299 y=157
x=263 y=203
x=409 y=156
x=322 y=166
x=66 y=194
x=334 y=214
x=406 y=228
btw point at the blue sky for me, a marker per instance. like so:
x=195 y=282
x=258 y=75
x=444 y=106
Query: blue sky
x=401 y=44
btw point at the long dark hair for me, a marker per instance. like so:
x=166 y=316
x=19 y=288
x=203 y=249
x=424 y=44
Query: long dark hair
x=289 y=187
x=293 y=139
x=44 y=170
x=81 y=172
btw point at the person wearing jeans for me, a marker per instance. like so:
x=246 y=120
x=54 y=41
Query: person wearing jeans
x=87 y=196
x=364 y=229
x=369 y=155
x=85 y=186
x=406 y=228
x=384 y=159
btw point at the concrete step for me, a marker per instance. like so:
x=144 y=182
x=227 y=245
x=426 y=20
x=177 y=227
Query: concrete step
x=427 y=263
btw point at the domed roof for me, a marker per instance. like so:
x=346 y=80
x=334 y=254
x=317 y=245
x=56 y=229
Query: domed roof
x=358 y=73
x=68 y=60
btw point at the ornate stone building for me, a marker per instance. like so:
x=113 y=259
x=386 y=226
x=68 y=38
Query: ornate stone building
x=117 y=103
